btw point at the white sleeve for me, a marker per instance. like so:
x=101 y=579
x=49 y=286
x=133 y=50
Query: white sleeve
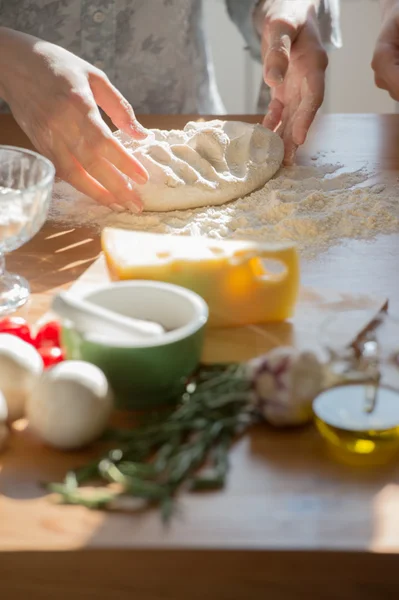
x=241 y=13
x=329 y=23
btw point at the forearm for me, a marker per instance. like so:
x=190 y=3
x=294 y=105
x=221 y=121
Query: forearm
x=5 y=36
x=10 y=44
x=249 y=17
x=295 y=12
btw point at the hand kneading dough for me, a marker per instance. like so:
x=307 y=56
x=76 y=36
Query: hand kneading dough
x=205 y=164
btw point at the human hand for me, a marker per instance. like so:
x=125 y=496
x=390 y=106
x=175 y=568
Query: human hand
x=385 y=63
x=53 y=96
x=294 y=65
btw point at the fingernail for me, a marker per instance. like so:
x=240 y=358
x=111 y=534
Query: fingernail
x=136 y=128
x=290 y=154
x=133 y=207
x=117 y=208
x=274 y=74
x=141 y=179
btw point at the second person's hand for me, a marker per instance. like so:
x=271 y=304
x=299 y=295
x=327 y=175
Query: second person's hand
x=385 y=61
x=54 y=97
x=294 y=65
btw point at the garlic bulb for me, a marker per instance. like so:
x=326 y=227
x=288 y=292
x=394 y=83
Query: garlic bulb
x=20 y=368
x=285 y=383
x=70 y=406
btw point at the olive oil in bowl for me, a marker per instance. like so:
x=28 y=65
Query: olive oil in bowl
x=354 y=434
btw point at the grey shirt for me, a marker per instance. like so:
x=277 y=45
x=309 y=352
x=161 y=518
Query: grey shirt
x=154 y=51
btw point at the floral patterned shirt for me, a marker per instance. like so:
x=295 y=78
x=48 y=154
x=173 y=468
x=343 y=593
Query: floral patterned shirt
x=154 y=51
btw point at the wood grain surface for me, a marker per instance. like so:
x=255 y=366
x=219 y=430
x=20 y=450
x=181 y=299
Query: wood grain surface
x=291 y=524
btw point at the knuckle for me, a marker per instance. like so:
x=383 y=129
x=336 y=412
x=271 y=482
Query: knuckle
x=278 y=51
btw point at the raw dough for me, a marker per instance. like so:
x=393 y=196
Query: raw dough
x=206 y=163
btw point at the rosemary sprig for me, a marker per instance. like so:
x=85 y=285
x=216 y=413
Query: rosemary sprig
x=186 y=447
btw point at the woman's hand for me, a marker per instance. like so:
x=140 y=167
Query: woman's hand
x=294 y=62
x=385 y=61
x=53 y=95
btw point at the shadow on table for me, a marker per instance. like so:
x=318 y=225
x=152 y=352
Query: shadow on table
x=56 y=256
x=27 y=464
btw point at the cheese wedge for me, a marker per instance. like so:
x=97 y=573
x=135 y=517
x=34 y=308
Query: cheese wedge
x=230 y=275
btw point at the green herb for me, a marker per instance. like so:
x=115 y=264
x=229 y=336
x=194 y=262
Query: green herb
x=186 y=447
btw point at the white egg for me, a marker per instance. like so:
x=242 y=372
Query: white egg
x=20 y=368
x=71 y=405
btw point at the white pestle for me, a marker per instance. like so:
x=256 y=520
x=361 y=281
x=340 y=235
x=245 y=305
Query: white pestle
x=88 y=317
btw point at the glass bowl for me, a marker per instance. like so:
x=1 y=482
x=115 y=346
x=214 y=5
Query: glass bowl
x=26 y=183
x=359 y=414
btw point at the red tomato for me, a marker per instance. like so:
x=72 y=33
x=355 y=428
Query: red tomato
x=49 y=335
x=51 y=355
x=16 y=326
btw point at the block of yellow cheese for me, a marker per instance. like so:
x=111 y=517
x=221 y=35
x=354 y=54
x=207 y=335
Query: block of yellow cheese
x=230 y=275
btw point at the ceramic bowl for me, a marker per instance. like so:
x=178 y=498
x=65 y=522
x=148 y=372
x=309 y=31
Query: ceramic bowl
x=154 y=372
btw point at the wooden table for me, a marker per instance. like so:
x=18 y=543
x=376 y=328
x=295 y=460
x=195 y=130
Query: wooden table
x=291 y=523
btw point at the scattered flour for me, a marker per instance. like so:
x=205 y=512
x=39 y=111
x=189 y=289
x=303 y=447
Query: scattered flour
x=317 y=207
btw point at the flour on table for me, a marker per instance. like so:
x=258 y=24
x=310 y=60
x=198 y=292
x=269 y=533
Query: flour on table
x=207 y=163
x=317 y=207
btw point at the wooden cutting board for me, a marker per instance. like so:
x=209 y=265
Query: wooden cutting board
x=354 y=313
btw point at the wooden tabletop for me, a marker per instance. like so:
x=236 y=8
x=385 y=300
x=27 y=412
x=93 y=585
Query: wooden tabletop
x=291 y=522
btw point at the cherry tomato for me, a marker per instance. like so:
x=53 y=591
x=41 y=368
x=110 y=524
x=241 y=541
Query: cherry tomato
x=49 y=335
x=51 y=355
x=16 y=326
